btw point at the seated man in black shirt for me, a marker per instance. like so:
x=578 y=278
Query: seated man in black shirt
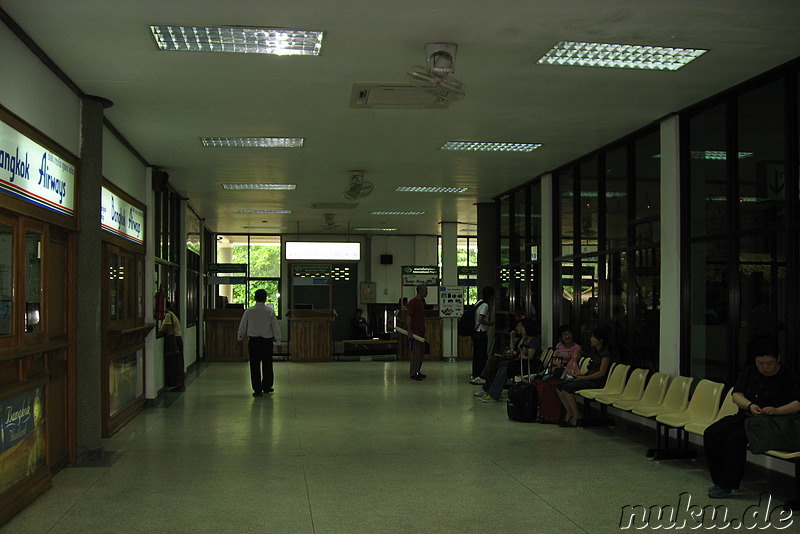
x=358 y=326
x=762 y=390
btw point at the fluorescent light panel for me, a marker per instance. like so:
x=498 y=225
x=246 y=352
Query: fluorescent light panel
x=420 y=189
x=263 y=211
x=374 y=229
x=265 y=227
x=252 y=142
x=390 y=212
x=622 y=56
x=271 y=187
x=490 y=147
x=247 y=40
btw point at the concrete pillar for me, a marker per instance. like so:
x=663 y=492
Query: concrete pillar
x=89 y=284
x=449 y=279
x=669 y=335
x=546 y=255
x=488 y=256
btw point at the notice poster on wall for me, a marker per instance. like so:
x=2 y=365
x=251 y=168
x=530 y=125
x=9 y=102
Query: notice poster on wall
x=31 y=172
x=22 y=437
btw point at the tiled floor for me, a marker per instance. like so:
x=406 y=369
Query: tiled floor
x=357 y=447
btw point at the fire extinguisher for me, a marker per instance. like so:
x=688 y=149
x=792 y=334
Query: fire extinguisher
x=160 y=303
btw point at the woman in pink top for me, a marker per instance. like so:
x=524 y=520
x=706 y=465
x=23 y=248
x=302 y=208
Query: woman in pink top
x=566 y=349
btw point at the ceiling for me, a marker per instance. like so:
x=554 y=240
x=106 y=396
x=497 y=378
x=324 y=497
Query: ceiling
x=165 y=101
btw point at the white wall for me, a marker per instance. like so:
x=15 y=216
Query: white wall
x=29 y=90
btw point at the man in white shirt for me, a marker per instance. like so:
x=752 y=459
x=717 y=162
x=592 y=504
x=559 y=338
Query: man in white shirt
x=261 y=327
x=480 y=339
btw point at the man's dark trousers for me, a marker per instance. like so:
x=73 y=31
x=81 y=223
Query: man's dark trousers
x=260 y=349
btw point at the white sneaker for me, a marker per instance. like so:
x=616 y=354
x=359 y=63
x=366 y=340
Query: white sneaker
x=480 y=393
x=477 y=381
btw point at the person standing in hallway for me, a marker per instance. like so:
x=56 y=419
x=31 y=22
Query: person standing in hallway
x=261 y=327
x=415 y=318
x=174 y=371
x=480 y=339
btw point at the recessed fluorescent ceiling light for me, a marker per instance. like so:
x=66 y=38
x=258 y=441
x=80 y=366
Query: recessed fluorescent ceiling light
x=252 y=142
x=397 y=212
x=274 y=187
x=420 y=189
x=490 y=147
x=717 y=155
x=266 y=227
x=374 y=229
x=620 y=56
x=278 y=41
x=262 y=211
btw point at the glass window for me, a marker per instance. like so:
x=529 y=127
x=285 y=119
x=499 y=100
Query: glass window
x=708 y=348
x=262 y=255
x=708 y=181
x=762 y=158
x=520 y=226
x=762 y=278
x=567 y=212
x=33 y=281
x=6 y=280
x=535 y=223
x=589 y=206
x=505 y=229
x=617 y=198
x=648 y=175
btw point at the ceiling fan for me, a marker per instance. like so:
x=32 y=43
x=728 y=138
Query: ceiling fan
x=357 y=187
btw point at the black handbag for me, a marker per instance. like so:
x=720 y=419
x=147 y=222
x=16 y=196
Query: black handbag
x=773 y=432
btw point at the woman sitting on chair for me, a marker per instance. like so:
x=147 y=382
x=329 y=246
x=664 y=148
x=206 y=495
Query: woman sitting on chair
x=594 y=377
x=527 y=349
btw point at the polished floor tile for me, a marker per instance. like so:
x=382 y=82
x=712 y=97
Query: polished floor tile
x=357 y=447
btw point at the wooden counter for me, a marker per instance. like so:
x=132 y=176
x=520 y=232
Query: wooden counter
x=433 y=334
x=221 y=343
x=311 y=335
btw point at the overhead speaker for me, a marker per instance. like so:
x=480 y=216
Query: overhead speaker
x=386 y=259
x=160 y=180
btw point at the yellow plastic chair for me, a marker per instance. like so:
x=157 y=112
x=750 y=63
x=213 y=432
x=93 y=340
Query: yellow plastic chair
x=634 y=388
x=615 y=384
x=702 y=408
x=585 y=364
x=653 y=393
x=728 y=408
x=676 y=399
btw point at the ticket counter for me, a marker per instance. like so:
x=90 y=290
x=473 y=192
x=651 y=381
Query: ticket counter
x=221 y=326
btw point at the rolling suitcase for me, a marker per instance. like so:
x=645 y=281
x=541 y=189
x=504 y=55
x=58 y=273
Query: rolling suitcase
x=549 y=403
x=523 y=401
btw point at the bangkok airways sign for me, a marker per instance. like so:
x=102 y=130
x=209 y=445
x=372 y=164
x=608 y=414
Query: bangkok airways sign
x=121 y=218
x=32 y=173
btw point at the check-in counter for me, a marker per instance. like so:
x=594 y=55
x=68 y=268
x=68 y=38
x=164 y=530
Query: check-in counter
x=221 y=343
x=311 y=335
x=433 y=335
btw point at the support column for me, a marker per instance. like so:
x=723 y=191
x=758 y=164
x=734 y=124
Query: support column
x=89 y=359
x=670 y=317
x=546 y=254
x=449 y=232
x=488 y=256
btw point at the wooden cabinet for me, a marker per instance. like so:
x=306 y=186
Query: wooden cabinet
x=311 y=334
x=220 y=330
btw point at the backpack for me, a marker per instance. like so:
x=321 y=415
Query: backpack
x=466 y=323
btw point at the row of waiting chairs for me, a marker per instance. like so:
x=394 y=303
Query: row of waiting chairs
x=666 y=399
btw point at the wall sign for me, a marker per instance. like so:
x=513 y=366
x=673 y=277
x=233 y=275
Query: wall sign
x=22 y=438
x=420 y=275
x=31 y=172
x=120 y=218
